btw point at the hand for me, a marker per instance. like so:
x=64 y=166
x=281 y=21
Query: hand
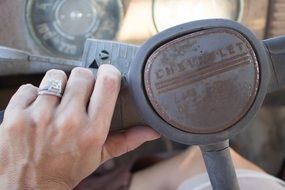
x=48 y=143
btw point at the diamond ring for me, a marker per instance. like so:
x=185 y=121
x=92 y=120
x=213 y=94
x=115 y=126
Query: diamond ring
x=52 y=87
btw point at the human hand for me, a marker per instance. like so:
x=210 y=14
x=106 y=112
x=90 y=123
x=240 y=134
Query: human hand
x=48 y=143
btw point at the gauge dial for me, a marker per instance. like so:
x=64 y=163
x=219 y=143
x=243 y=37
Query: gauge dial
x=168 y=13
x=62 y=26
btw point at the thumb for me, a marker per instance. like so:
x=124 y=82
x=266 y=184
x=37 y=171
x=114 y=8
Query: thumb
x=121 y=143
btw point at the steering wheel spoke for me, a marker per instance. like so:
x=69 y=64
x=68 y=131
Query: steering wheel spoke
x=276 y=51
x=220 y=166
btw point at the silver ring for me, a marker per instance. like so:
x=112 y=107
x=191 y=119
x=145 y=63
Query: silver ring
x=52 y=87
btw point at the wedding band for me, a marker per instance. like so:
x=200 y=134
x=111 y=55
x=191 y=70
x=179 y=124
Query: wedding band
x=52 y=87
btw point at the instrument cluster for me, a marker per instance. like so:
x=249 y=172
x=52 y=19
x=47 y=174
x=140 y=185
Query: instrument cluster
x=60 y=27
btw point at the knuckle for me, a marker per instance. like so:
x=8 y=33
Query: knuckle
x=37 y=119
x=68 y=121
x=25 y=87
x=110 y=69
x=82 y=75
x=111 y=81
x=56 y=72
x=82 y=72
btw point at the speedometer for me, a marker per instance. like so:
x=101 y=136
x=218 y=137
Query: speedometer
x=61 y=27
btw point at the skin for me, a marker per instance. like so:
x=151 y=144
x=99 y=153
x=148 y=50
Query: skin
x=52 y=143
x=172 y=172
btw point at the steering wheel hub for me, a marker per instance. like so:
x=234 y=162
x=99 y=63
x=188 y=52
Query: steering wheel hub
x=203 y=82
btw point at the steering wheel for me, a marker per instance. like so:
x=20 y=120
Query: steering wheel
x=198 y=83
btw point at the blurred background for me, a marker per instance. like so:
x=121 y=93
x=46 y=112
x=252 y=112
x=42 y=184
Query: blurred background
x=59 y=28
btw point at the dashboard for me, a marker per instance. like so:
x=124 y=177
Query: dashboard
x=60 y=27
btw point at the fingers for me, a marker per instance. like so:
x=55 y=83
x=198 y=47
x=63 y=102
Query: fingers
x=103 y=99
x=121 y=143
x=78 y=91
x=24 y=96
x=44 y=105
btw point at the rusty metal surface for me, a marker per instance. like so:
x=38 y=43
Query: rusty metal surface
x=203 y=82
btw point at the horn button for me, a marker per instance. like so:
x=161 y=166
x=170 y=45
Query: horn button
x=203 y=82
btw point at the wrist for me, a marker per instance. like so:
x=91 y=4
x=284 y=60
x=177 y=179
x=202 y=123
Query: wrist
x=42 y=186
x=28 y=178
x=53 y=187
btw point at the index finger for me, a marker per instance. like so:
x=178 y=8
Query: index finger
x=103 y=99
